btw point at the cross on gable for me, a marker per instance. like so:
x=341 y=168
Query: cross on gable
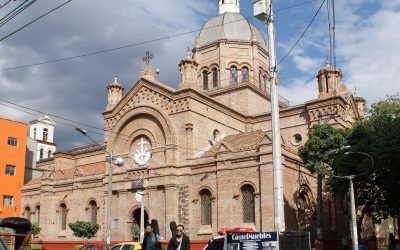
x=147 y=58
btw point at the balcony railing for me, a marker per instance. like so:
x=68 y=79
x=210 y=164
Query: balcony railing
x=263 y=87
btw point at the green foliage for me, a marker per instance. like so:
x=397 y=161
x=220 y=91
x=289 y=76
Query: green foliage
x=36 y=229
x=36 y=247
x=378 y=135
x=83 y=229
x=78 y=247
x=135 y=231
x=322 y=139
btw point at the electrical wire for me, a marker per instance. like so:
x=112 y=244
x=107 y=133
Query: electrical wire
x=302 y=35
x=34 y=20
x=131 y=45
x=1 y=6
x=2 y=23
x=11 y=12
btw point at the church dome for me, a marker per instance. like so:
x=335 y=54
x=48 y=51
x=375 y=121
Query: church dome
x=234 y=26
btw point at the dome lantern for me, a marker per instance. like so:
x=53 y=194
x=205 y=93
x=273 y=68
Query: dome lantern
x=232 y=6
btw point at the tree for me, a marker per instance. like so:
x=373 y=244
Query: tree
x=322 y=139
x=36 y=229
x=84 y=230
x=378 y=135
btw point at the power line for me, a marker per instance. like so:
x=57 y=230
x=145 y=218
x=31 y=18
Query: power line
x=1 y=6
x=90 y=126
x=34 y=20
x=131 y=45
x=9 y=13
x=302 y=35
x=16 y=13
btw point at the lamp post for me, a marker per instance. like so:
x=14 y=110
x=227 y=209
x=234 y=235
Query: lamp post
x=140 y=187
x=118 y=162
x=354 y=233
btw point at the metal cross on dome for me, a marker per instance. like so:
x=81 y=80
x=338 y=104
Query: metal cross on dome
x=148 y=57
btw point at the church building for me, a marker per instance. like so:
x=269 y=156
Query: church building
x=203 y=150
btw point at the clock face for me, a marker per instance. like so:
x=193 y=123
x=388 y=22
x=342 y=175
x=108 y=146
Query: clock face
x=142 y=153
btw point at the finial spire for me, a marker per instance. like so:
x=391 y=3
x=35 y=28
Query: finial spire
x=115 y=78
x=188 y=53
x=147 y=58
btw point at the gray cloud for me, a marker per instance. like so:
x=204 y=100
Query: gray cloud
x=77 y=88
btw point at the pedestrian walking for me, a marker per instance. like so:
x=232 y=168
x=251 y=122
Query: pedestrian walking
x=179 y=241
x=151 y=240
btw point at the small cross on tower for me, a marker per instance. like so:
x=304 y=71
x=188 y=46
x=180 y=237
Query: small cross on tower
x=147 y=58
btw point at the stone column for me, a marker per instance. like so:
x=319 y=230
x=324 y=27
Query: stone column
x=171 y=206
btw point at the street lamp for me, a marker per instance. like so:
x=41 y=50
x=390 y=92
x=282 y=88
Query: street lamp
x=140 y=187
x=352 y=198
x=118 y=162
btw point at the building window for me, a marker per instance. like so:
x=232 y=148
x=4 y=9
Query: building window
x=12 y=141
x=49 y=154
x=45 y=134
x=265 y=82
x=8 y=201
x=10 y=170
x=27 y=212
x=205 y=80
x=260 y=80
x=205 y=196
x=93 y=211
x=63 y=217
x=245 y=74
x=41 y=154
x=34 y=133
x=38 y=214
x=234 y=75
x=215 y=77
x=248 y=204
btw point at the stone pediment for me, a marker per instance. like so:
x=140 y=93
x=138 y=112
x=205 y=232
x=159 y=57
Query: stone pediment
x=147 y=93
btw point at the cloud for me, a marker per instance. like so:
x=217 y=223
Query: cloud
x=367 y=50
x=306 y=64
x=77 y=88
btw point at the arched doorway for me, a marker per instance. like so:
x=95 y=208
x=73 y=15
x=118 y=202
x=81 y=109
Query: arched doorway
x=135 y=227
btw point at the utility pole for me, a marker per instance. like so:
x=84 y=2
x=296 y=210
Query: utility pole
x=264 y=12
x=118 y=162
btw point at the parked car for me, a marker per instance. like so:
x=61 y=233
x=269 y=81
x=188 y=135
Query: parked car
x=128 y=246
x=96 y=246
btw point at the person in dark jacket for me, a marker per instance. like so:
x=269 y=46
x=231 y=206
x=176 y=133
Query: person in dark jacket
x=151 y=240
x=180 y=241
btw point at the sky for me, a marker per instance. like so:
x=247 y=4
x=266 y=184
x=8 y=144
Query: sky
x=367 y=34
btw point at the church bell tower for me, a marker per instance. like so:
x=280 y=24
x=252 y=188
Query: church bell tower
x=231 y=6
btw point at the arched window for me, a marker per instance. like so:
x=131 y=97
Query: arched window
x=45 y=134
x=27 y=212
x=215 y=77
x=205 y=80
x=34 y=133
x=248 y=204
x=63 y=216
x=265 y=82
x=234 y=75
x=245 y=74
x=49 y=154
x=41 y=153
x=260 y=80
x=205 y=196
x=93 y=211
x=38 y=213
